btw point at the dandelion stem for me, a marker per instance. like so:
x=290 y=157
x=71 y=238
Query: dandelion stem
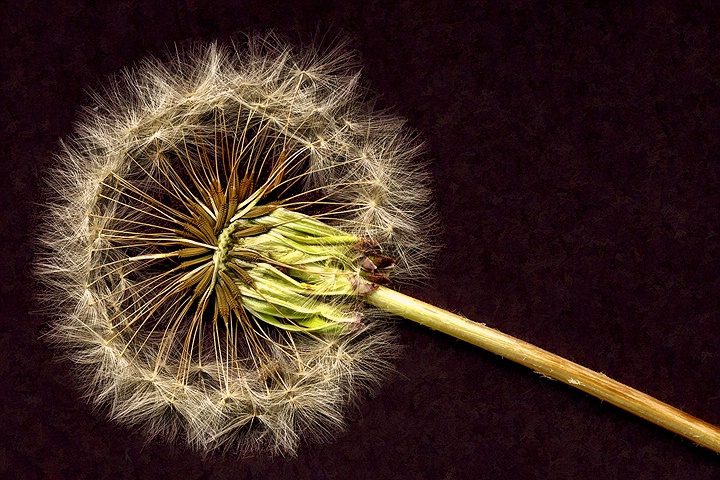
x=549 y=364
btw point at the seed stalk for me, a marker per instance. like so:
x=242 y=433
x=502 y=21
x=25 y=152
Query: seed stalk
x=549 y=364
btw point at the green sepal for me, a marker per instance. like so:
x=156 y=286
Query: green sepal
x=313 y=324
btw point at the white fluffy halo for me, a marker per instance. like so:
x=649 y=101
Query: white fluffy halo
x=147 y=352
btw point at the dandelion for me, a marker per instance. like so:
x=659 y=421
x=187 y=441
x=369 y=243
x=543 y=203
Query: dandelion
x=218 y=253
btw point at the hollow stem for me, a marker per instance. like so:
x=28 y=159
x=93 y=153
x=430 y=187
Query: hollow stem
x=549 y=364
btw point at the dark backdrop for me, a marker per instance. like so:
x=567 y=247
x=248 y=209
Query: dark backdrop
x=576 y=155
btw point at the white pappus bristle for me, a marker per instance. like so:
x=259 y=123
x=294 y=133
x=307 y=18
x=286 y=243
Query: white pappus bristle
x=152 y=259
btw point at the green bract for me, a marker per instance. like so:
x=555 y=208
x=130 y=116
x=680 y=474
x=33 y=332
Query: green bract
x=294 y=270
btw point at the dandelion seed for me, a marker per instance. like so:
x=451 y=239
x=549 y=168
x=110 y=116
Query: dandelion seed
x=197 y=287
x=219 y=223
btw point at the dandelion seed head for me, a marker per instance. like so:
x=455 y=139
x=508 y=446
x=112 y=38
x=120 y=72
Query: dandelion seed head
x=213 y=220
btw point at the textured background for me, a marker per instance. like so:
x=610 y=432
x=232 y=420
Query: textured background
x=576 y=152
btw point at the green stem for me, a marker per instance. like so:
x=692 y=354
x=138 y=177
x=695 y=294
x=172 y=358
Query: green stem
x=549 y=364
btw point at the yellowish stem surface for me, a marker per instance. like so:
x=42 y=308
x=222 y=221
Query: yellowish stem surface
x=549 y=364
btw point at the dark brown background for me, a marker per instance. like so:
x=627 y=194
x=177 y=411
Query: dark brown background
x=576 y=156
